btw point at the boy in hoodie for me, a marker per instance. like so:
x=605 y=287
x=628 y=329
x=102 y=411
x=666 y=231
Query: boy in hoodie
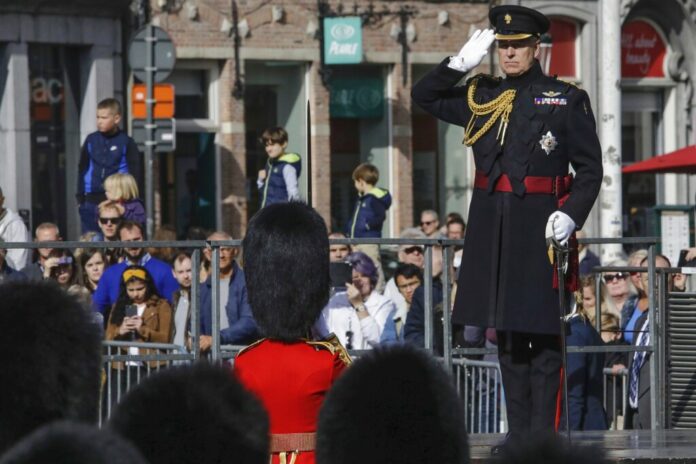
x=277 y=181
x=369 y=214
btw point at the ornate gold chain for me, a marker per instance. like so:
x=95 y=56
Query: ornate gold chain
x=501 y=107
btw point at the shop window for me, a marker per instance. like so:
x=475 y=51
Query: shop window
x=563 y=59
x=191 y=87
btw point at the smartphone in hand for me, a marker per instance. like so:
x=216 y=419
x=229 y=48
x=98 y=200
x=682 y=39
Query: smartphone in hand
x=131 y=310
x=341 y=274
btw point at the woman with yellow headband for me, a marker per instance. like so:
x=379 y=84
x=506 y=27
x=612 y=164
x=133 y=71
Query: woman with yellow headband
x=139 y=315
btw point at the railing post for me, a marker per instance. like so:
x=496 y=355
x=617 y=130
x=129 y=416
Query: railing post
x=655 y=356
x=215 y=281
x=446 y=305
x=195 y=306
x=428 y=300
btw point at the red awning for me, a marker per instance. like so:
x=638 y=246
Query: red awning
x=682 y=161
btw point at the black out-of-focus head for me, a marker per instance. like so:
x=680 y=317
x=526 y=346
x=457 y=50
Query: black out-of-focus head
x=70 y=442
x=52 y=359
x=286 y=263
x=515 y=22
x=395 y=404
x=193 y=414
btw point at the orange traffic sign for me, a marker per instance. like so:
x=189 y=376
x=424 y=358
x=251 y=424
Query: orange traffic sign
x=164 y=101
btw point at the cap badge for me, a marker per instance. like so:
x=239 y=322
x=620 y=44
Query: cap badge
x=508 y=18
x=548 y=142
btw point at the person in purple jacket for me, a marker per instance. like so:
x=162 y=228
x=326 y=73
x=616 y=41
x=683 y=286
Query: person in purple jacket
x=107 y=291
x=123 y=188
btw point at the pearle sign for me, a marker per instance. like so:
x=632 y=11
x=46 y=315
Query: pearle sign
x=643 y=51
x=343 y=40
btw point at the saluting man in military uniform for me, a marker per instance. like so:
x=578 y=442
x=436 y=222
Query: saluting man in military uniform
x=525 y=130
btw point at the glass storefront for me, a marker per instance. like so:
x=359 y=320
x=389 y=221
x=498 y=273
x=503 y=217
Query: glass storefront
x=641 y=139
x=187 y=180
x=274 y=95
x=359 y=134
x=55 y=101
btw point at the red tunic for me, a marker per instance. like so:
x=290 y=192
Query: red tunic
x=291 y=380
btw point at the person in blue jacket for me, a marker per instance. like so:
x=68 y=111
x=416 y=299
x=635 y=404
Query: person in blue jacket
x=237 y=325
x=372 y=204
x=107 y=291
x=585 y=375
x=278 y=180
x=414 y=328
x=107 y=151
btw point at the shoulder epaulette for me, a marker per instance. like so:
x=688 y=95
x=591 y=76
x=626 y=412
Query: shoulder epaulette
x=570 y=83
x=332 y=345
x=249 y=347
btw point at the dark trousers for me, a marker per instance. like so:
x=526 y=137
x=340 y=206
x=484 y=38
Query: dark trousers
x=88 y=217
x=531 y=368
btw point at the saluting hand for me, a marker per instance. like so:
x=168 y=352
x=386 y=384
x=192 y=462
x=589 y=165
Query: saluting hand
x=473 y=52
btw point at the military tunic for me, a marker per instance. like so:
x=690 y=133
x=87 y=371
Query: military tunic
x=291 y=380
x=505 y=279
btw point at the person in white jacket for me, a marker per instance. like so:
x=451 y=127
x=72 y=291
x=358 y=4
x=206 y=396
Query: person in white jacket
x=360 y=317
x=12 y=229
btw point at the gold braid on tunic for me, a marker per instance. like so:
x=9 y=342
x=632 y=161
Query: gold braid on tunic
x=498 y=108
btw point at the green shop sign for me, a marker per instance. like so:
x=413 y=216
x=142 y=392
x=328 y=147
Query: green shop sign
x=357 y=97
x=343 y=40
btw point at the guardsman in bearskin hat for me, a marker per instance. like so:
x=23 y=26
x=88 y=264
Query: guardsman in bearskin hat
x=286 y=261
x=525 y=129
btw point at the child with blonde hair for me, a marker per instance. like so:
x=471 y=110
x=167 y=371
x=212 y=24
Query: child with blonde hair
x=123 y=188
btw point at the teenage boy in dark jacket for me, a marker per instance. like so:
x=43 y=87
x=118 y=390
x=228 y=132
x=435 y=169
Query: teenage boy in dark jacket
x=106 y=151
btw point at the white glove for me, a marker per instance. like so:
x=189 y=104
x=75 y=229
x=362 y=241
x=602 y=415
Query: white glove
x=560 y=226
x=473 y=52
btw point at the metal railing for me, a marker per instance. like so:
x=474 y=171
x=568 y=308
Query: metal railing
x=453 y=358
x=615 y=390
x=480 y=386
x=124 y=369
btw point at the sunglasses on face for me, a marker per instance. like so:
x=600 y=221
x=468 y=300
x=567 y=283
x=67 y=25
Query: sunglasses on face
x=427 y=223
x=414 y=249
x=618 y=276
x=104 y=221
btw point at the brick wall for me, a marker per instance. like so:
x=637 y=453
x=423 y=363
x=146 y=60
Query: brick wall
x=204 y=35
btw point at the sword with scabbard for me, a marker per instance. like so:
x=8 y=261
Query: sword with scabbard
x=558 y=255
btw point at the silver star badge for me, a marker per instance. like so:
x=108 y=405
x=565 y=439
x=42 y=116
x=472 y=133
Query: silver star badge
x=548 y=142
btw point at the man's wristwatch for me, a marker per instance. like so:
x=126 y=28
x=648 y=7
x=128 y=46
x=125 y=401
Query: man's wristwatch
x=361 y=307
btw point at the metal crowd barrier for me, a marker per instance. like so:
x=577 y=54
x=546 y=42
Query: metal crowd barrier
x=615 y=390
x=480 y=386
x=124 y=371
x=450 y=356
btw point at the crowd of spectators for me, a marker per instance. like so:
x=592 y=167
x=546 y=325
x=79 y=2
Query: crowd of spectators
x=201 y=413
x=360 y=315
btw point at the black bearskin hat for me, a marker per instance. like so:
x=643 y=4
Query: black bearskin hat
x=51 y=348
x=395 y=404
x=286 y=263
x=193 y=414
x=70 y=442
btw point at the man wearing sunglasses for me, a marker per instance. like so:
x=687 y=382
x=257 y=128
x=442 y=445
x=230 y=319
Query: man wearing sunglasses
x=526 y=130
